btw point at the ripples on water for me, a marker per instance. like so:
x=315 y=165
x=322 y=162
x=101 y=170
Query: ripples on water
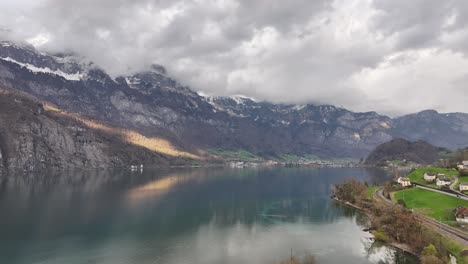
x=184 y=216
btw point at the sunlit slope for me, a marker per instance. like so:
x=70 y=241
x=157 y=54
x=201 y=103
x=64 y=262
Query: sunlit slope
x=155 y=144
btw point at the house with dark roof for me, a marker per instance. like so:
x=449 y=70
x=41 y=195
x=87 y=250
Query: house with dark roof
x=443 y=181
x=461 y=214
x=405 y=182
x=429 y=177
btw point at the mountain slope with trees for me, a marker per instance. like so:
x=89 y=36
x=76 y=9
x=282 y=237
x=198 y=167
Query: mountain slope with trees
x=399 y=149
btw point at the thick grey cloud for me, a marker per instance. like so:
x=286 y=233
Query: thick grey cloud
x=391 y=56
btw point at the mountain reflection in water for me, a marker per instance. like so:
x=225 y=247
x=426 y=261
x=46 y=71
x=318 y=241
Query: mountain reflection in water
x=184 y=216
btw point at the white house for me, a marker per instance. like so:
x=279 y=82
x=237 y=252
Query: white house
x=429 y=176
x=464 y=186
x=461 y=214
x=443 y=181
x=405 y=182
x=463 y=165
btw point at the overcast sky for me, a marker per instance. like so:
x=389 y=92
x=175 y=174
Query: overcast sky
x=391 y=56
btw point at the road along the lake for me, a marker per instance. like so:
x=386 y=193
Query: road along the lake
x=459 y=196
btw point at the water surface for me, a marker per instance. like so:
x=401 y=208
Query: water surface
x=196 y=216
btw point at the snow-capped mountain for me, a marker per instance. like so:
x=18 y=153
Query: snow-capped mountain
x=155 y=104
x=67 y=67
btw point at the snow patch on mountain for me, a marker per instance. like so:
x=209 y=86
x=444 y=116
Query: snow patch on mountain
x=211 y=100
x=299 y=107
x=71 y=77
x=6 y=44
x=242 y=99
x=238 y=99
x=385 y=125
x=132 y=82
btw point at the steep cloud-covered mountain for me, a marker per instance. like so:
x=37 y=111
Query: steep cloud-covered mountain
x=154 y=104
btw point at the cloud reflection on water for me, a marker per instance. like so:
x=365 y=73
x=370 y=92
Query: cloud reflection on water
x=182 y=216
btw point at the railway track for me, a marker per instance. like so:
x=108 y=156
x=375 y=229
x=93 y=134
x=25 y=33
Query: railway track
x=442 y=228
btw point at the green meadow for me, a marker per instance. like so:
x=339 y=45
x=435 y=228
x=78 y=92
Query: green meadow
x=432 y=204
x=417 y=175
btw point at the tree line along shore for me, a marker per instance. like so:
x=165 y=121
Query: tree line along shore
x=397 y=225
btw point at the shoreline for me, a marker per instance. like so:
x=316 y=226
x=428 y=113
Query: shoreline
x=7 y=171
x=403 y=247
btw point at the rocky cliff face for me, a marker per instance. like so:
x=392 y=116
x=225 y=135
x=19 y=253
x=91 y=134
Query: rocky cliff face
x=33 y=138
x=154 y=104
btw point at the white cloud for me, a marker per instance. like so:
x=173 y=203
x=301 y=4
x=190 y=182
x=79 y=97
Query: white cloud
x=415 y=80
x=363 y=55
x=41 y=39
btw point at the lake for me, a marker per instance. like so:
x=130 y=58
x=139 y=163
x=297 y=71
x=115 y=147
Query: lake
x=182 y=216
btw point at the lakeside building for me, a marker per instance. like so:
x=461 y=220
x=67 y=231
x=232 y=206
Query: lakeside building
x=464 y=186
x=443 y=181
x=429 y=177
x=405 y=182
x=461 y=214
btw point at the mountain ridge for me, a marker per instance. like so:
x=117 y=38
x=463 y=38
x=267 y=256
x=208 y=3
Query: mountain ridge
x=155 y=105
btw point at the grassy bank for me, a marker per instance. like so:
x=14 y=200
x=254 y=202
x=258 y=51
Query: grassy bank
x=432 y=204
x=372 y=190
x=417 y=176
x=439 y=207
x=456 y=249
